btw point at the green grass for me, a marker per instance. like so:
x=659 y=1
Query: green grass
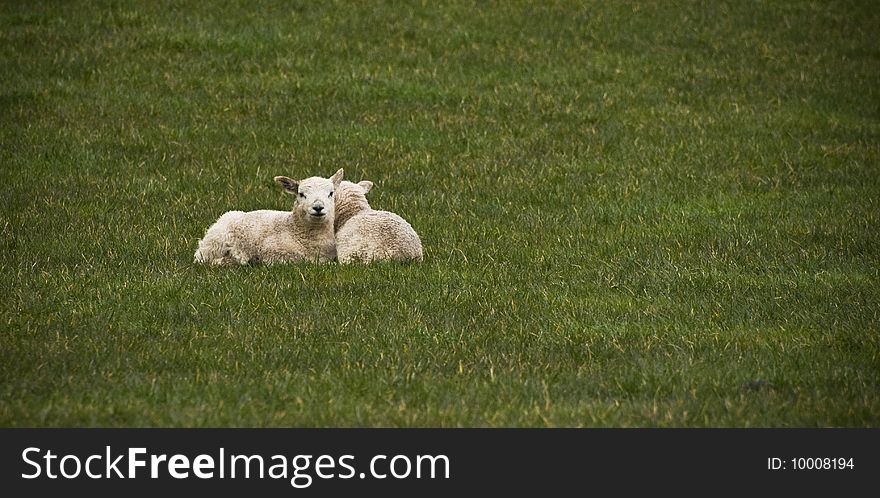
x=634 y=213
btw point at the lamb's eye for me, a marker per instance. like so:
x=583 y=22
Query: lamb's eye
x=302 y=195
x=331 y=194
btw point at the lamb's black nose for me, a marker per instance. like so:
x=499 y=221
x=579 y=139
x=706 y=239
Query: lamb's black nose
x=318 y=209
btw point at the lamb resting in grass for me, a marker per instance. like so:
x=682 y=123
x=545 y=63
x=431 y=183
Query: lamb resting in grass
x=365 y=235
x=266 y=236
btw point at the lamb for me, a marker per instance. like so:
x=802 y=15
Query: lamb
x=365 y=235
x=266 y=236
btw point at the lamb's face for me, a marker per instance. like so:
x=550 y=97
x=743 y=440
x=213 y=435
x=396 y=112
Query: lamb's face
x=314 y=196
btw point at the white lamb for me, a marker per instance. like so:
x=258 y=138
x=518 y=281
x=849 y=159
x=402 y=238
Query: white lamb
x=266 y=236
x=365 y=235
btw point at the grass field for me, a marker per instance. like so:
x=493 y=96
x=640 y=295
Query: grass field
x=634 y=213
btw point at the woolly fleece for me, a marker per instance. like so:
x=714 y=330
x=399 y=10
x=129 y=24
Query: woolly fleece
x=265 y=236
x=364 y=235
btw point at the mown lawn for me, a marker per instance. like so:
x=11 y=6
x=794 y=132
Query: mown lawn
x=634 y=213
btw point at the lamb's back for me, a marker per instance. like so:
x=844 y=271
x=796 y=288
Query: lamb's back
x=375 y=236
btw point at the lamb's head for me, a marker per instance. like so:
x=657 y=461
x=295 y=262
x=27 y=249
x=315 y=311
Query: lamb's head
x=314 y=196
x=351 y=199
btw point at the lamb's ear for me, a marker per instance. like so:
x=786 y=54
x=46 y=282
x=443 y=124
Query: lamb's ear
x=366 y=185
x=336 y=178
x=289 y=186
